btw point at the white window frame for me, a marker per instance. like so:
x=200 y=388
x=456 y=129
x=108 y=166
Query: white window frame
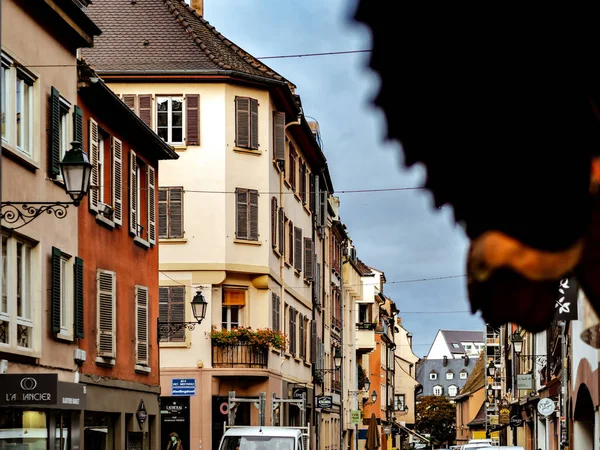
x=438 y=390
x=169 y=99
x=452 y=388
x=433 y=376
x=228 y=321
x=30 y=274
x=463 y=375
x=30 y=139
x=449 y=375
x=65 y=127
x=66 y=296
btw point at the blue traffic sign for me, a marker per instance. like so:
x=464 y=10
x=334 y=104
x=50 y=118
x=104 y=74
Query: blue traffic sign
x=183 y=387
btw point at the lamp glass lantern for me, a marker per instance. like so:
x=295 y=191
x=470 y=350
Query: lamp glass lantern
x=492 y=369
x=199 y=305
x=367 y=384
x=517 y=341
x=374 y=396
x=337 y=358
x=76 y=172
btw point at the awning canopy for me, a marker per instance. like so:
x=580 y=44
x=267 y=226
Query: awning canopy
x=414 y=433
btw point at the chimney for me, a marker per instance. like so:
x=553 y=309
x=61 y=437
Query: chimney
x=198 y=6
x=445 y=360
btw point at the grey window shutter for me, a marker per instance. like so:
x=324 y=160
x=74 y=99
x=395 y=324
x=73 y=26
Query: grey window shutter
x=308 y=258
x=253 y=214
x=279 y=136
x=192 y=109
x=129 y=100
x=163 y=208
x=151 y=182
x=291 y=242
x=292 y=174
x=94 y=153
x=133 y=187
x=241 y=230
x=177 y=310
x=242 y=122
x=117 y=191
x=78 y=125
x=78 y=316
x=55 y=290
x=316 y=200
x=163 y=308
x=311 y=193
x=313 y=341
x=298 y=248
x=175 y=212
x=274 y=222
x=254 y=123
x=317 y=285
x=323 y=209
x=145 y=108
x=54 y=159
x=281 y=220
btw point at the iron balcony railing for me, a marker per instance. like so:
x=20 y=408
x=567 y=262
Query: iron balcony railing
x=238 y=355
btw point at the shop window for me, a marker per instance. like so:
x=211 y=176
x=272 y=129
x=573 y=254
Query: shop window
x=23 y=429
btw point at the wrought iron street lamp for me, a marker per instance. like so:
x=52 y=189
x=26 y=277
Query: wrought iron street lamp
x=365 y=389
x=517 y=341
x=492 y=369
x=76 y=172
x=373 y=398
x=166 y=329
x=337 y=361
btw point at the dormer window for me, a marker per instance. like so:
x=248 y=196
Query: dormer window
x=449 y=375
x=433 y=375
x=463 y=375
x=452 y=391
x=438 y=390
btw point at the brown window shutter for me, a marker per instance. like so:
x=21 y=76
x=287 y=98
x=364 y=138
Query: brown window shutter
x=274 y=222
x=281 y=232
x=254 y=123
x=291 y=242
x=253 y=215
x=242 y=122
x=145 y=108
x=129 y=100
x=163 y=205
x=279 y=136
x=175 y=216
x=192 y=119
x=292 y=179
x=311 y=193
x=151 y=182
x=241 y=230
x=95 y=176
x=308 y=258
x=117 y=176
x=298 y=248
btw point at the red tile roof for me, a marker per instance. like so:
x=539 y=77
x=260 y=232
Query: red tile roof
x=164 y=36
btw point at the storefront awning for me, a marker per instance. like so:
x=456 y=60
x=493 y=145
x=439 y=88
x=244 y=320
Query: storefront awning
x=414 y=433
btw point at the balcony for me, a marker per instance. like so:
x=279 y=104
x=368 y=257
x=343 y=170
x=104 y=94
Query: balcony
x=365 y=336
x=240 y=355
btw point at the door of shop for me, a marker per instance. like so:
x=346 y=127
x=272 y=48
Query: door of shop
x=174 y=418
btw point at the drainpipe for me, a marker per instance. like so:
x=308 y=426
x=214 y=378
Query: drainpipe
x=342 y=385
x=564 y=435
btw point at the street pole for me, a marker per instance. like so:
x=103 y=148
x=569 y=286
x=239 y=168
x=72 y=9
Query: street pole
x=547 y=445
x=563 y=435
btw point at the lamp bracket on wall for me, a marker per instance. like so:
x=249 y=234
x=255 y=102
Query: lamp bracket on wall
x=21 y=213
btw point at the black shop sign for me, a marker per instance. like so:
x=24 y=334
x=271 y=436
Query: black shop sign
x=28 y=389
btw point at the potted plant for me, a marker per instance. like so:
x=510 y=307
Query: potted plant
x=261 y=337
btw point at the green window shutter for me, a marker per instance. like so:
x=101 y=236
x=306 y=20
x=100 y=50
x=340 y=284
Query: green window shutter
x=54 y=158
x=78 y=317
x=55 y=290
x=78 y=125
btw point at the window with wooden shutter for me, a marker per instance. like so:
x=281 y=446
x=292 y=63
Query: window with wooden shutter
x=298 y=248
x=56 y=289
x=291 y=243
x=317 y=285
x=301 y=337
x=279 y=137
x=311 y=193
x=309 y=256
x=145 y=108
x=66 y=293
x=94 y=160
x=170 y=212
x=141 y=325
x=171 y=308
x=293 y=316
x=78 y=301
x=151 y=182
x=117 y=179
x=246 y=214
x=313 y=341
x=133 y=193
x=107 y=331
x=323 y=209
x=276 y=312
x=292 y=167
x=55 y=119
x=78 y=125
x=246 y=123
x=192 y=109
x=281 y=221
x=302 y=180
x=129 y=100
x=274 y=222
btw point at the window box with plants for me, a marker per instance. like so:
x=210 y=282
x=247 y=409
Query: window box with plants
x=244 y=346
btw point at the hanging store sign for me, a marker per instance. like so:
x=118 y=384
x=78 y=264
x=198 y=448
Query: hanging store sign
x=504 y=416
x=525 y=381
x=355 y=416
x=546 y=406
x=324 y=401
x=565 y=307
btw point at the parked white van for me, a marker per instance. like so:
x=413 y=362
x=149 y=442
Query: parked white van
x=262 y=438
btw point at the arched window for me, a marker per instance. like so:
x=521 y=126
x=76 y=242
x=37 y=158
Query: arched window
x=452 y=391
x=449 y=375
x=433 y=375
x=438 y=390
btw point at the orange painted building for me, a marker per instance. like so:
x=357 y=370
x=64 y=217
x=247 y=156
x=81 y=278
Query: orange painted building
x=118 y=246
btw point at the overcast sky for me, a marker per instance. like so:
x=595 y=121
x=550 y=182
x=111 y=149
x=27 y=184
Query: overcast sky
x=400 y=232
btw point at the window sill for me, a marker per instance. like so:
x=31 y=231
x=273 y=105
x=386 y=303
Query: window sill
x=179 y=147
x=173 y=345
x=307 y=209
x=297 y=273
x=172 y=240
x=276 y=252
x=247 y=151
x=307 y=364
x=298 y=359
x=274 y=350
x=144 y=370
x=297 y=197
x=19 y=157
x=287 y=184
x=105 y=222
x=64 y=337
x=141 y=242
x=307 y=281
x=105 y=362
x=287 y=355
x=286 y=264
x=243 y=241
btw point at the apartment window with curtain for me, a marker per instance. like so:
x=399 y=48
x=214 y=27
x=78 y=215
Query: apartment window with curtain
x=234 y=299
